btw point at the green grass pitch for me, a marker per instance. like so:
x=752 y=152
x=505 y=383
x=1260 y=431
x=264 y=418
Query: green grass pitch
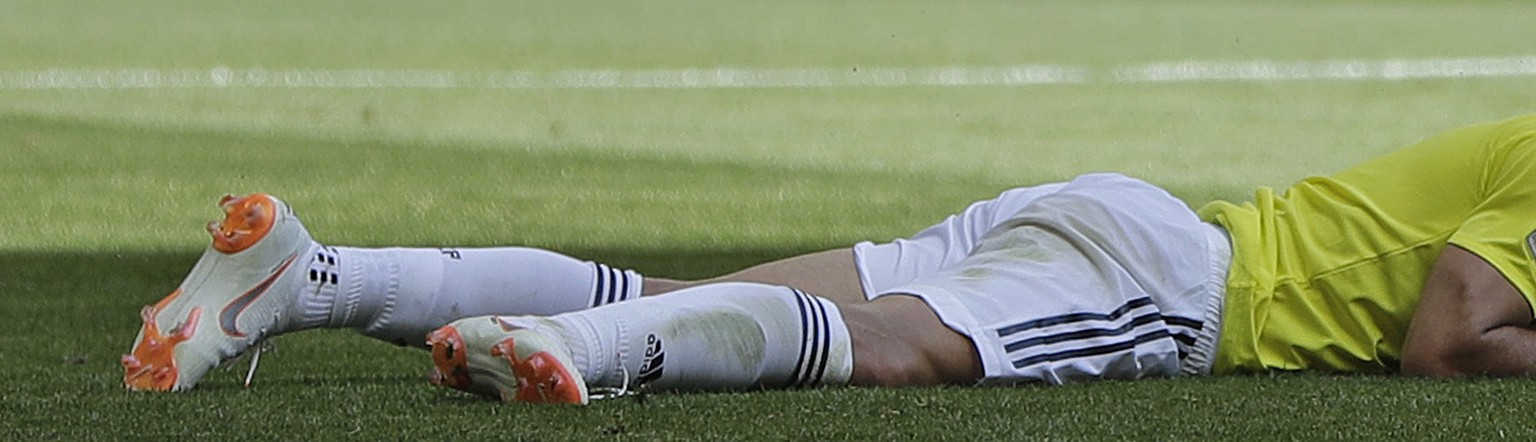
x=104 y=190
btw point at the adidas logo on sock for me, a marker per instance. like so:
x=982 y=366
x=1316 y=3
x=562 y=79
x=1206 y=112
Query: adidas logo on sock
x=650 y=366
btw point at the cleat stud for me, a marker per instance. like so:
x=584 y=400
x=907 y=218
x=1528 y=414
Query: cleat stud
x=503 y=324
x=187 y=328
x=131 y=363
x=254 y=211
x=246 y=220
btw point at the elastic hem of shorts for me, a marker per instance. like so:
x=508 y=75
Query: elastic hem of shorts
x=859 y=266
x=1218 y=251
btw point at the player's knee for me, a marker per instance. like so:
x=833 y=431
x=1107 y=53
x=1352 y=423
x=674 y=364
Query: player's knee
x=880 y=366
x=886 y=352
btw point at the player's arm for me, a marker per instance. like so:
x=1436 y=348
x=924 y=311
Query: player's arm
x=1470 y=321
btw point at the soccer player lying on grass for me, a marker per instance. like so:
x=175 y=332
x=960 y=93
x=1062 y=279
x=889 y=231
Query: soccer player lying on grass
x=1419 y=261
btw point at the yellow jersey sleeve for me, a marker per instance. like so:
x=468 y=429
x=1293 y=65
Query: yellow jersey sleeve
x=1502 y=227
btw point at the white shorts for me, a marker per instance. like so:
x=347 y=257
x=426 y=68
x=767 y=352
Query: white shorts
x=1103 y=277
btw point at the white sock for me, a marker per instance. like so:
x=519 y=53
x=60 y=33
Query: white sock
x=401 y=294
x=717 y=336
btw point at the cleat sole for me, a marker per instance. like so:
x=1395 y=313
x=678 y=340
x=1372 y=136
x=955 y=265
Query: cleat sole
x=247 y=219
x=541 y=377
x=450 y=364
x=152 y=366
x=482 y=356
x=243 y=285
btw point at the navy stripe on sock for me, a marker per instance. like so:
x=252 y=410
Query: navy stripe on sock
x=613 y=284
x=597 y=293
x=826 y=343
x=1074 y=317
x=817 y=362
x=814 y=343
x=1093 y=351
x=794 y=376
x=623 y=285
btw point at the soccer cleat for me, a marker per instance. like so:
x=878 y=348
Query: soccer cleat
x=241 y=291
x=486 y=356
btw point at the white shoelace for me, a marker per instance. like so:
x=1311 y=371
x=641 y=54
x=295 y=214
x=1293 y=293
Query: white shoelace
x=610 y=393
x=257 y=349
x=261 y=345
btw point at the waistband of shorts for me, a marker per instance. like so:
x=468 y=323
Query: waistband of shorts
x=1218 y=252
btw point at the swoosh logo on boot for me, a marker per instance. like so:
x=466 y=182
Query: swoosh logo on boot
x=229 y=316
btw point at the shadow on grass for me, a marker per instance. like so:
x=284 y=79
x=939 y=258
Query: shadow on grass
x=25 y=273
x=52 y=282
x=262 y=380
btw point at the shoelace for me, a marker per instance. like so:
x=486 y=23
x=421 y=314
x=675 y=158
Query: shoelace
x=262 y=344
x=609 y=393
x=257 y=349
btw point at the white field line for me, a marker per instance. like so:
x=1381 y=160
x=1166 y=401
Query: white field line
x=736 y=78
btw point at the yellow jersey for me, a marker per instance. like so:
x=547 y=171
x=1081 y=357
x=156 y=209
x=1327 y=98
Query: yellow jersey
x=1326 y=274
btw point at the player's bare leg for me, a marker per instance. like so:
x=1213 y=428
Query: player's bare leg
x=829 y=274
x=898 y=341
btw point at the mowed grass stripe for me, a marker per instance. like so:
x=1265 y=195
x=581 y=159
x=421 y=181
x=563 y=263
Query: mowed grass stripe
x=92 y=186
x=745 y=78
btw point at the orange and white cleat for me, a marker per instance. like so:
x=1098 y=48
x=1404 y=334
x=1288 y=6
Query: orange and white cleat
x=489 y=357
x=244 y=288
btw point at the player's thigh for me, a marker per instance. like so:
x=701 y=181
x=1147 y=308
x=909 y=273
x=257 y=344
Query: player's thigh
x=829 y=274
x=900 y=261
x=852 y=274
